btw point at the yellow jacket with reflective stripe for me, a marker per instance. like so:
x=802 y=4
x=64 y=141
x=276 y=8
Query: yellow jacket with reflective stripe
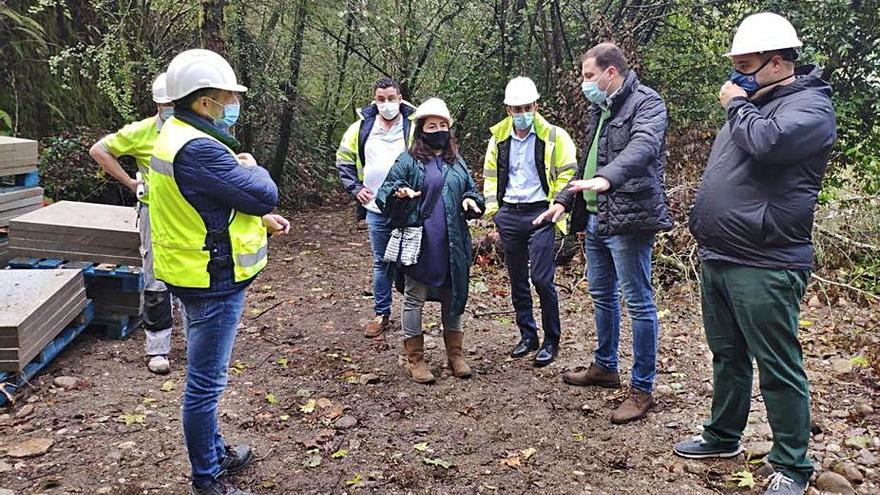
x=181 y=244
x=136 y=140
x=559 y=159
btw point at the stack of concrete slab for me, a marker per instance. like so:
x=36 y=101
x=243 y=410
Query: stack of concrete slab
x=35 y=306
x=17 y=201
x=75 y=231
x=17 y=156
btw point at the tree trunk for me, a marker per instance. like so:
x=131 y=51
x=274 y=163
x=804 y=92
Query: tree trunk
x=290 y=93
x=212 y=25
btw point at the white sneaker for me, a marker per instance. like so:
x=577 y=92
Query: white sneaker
x=159 y=365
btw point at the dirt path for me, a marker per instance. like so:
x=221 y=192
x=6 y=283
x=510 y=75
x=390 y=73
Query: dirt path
x=330 y=412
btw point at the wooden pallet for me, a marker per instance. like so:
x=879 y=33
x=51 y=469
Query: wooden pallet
x=116 y=328
x=12 y=382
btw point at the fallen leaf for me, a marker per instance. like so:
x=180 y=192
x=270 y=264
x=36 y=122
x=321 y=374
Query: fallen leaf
x=268 y=484
x=271 y=399
x=805 y=323
x=237 y=367
x=355 y=480
x=149 y=400
x=282 y=361
x=528 y=453
x=339 y=454
x=168 y=386
x=743 y=479
x=284 y=417
x=437 y=462
x=130 y=419
x=312 y=461
x=421 y=446
x=511 y=462
x=324 y=403
x=308 y=407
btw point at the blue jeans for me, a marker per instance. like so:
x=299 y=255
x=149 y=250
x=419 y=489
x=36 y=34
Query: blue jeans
x=211 y=328
x=615 y=262
x=380 y=231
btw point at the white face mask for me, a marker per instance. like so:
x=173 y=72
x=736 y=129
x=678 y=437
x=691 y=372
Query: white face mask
x=389 y=110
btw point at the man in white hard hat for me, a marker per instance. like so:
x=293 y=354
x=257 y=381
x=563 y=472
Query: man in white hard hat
x=210 y=207
x=528 y=161
x=136 y=140
x=618 y=197
x=365 y=155
x=753 y=219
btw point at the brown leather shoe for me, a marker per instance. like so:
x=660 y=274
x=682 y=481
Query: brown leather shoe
x=376 y=326
x=594 y=375
x=415 y=354
x=635 y=407
x=455 y=355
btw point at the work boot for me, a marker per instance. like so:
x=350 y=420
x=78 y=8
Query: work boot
x=236 y=459
x=454 y=354
x=218 y=487
x=780 y=484
x=595 y=375
x=634 y=407
x=415 y=353
x=376 y=326
x=159 y=365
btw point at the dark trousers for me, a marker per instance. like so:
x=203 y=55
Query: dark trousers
x=753 y=313
x=529 y=253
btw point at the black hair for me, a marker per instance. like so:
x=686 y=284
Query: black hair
x=386 y=82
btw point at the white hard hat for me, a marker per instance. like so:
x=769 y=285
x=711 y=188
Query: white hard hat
x=764 y=32
x=520 y=91
x=196 y=69
x=160 y=94
x=433 y=107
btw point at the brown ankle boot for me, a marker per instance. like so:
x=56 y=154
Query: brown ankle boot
x=415 y=353
x=376 y=326
x=594 y=375
x=454 y=354
x=634 y=407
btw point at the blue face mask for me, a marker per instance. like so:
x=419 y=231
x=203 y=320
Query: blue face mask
x=166 y=113
x=230 y=114
x=593 y=93
x=748 y=81
x=523 y=121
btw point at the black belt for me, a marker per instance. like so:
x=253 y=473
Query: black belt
x=527 y=206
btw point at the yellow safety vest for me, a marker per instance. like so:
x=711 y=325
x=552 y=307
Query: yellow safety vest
x=180 y=237
x=560 y=161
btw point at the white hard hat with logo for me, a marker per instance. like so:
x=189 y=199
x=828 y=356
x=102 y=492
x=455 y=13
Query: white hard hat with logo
x=160 y=93
x=520 y=91
x=196 y=69
x=433 y=107
x=764 y=32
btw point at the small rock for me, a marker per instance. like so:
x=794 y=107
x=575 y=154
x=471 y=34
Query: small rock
x=5 y=467
x=130 y=445
x=114 y=456
x=104 y=490
x=758 y=450
x=839 y=413
x=5 y=419
x=678 y=467
x=765 y=471
x=369 y=378
x=586 y=409
x=663 y=390
x=697 y=468
x=857 y=442
x=430 y=342
x=25 y=411
x=65 y=382
x=842 y=366
x=833 y=447
x=30 y=447
x=866 y=458
x=834 y=483
x=849 y=471
x=6 y=491
x=345 y=422
x=815 y=302
x=864 y=410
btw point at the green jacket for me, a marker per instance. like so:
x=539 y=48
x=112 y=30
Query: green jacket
x=458 y=184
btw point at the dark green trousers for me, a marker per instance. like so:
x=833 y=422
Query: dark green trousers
x=753 y=313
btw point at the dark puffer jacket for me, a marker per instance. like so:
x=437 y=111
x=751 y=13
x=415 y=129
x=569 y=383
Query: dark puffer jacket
x=631 y=156
x=755 y=204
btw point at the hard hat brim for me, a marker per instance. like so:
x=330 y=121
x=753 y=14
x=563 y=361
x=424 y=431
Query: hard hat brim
x=162 y=101
x=514 y=103
x=734 y=53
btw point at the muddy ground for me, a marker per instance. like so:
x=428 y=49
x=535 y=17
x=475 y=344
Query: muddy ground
x=330 y=412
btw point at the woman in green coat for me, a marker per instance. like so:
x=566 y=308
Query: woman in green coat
x=431 y=186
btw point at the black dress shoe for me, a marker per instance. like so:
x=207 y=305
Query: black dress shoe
x=547 y=354
x=524 y=347
x=237 y=458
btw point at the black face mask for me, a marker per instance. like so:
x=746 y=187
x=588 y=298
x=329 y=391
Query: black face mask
x=436 y=140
